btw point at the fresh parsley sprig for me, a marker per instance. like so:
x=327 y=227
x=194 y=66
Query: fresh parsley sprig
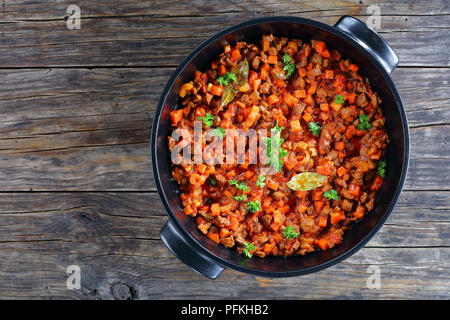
x=381 y=168
x=364 y=123
x=239 y=185
x=339 y=99
x=226 y=78
x=276 y=164
x=289 y=233
x=208 y=120
x=242 y=197
x=254 y=206
x=260 y=182
x=219 y=132
x=247 y=248
x=314 y=127
x=332 y=194
x=289 y=65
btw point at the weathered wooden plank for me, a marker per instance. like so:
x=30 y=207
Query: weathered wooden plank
x=38 y=269
x=58 y=132
x=114 y=238
x=36 y=10
x=420 y=218
x=140 y=36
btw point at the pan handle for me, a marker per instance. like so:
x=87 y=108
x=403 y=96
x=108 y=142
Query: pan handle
x=191 y=257
x=370 y=40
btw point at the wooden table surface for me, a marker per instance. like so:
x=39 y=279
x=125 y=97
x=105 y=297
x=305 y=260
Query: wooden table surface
x=76 y=180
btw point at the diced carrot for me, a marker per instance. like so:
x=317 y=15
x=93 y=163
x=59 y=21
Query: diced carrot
x=350 y=131
x=188 y=210
x=359 y=212
x=295 y=125
x=326 y=53
x=194 y=178
x=323 y=244
x=222 y=69
x=203 y=228
x=272 y=59
x=227 y=48
x=290 y=100
x=319 y=205
x=201 y=168
x=234 y=223
x=267 y=248
x=176 y=116
x=302 y=72
x=335 y=217
x=325 y=107
x=273 y=99
x=214 y=65
x=325 y=169
x=341 y=171
x=351 y=98
x=214 y=237
x=215 y=209
x=335 y=106
x=216 y=90
x=354 y=189
x=272 y=184
x=301 y=93
x=301 y=208
x=256 y=84
x=329 y=74
x=184 y=88
x=265 y=45
x=224 y=232
x=235 y=54
x=376 y=184
x=285 y=209
x=319 y=46
x=275 y=227
x=312 y=88
x=309 y=99
x=339 y=145
x=307 y=117
x=353 y=67
x=317 y=194
x=263 y=72
x=322 y=221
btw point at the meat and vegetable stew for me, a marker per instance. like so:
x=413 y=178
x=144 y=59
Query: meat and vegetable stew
x=325 y=144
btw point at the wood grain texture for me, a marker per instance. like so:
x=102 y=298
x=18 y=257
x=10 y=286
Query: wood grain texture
x=77 y=108
x=58 y=132
x=162 y=33
x=114 y=238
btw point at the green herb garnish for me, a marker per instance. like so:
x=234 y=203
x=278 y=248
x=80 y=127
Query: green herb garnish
x=208 y=119
x=277 y=164
x=289 y=65
x=339 y=99
x=219 y=132
x=247 y=248
x=381 y=168
x=212 y=181
x=239 y=185
x=226 y=78
x=332 y=194
x=289 y=233
x=254 y=206
x=260 y=182
x=242 y=197
x=364 y=123
x=314 y=127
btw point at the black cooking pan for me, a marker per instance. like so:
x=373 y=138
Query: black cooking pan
x=376 y=60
